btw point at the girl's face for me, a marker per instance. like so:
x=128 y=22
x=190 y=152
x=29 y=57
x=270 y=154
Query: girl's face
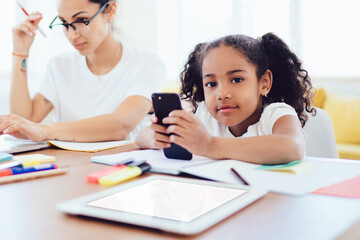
x=231 y=88
x=87 y=40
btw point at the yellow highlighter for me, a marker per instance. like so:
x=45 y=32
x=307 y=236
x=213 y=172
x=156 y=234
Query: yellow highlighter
x=123 y=175
x=34 y=159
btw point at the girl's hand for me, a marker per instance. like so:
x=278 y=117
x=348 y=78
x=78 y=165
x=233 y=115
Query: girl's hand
x=191 y=134
x=160 y=140
x=22 y=128
x=24 y=34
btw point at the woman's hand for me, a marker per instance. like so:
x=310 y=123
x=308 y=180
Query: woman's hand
x=20 y=127
x=190 y=132
x=24 y=34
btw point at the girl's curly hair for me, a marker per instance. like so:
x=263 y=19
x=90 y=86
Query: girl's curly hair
x=291 y=83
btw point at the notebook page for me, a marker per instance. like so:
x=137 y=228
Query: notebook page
x=89 y=146
x=155 y=158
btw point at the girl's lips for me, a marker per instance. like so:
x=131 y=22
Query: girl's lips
x=226 y=108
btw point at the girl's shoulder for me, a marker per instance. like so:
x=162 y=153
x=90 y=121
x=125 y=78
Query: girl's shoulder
x=278 y=108
x=271 y=113
x=274 y=111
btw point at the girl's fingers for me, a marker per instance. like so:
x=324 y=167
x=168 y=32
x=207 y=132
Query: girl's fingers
x=158 y=128
x=188 y=116
x=154 y=119
x=179 y=141
x=162 y=144
x=176 y=129
x=161 y=137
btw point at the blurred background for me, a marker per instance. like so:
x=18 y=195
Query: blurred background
x=325 y=34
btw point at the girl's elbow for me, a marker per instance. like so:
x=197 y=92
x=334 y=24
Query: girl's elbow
x=297 y=151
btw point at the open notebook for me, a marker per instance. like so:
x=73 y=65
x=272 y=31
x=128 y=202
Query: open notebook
x=307 y=176
x=9 y=144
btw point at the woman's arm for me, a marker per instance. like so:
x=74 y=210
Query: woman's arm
x=106 y=127
x=20 y=101
x=286 y=144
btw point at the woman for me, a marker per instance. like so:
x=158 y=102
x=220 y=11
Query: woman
x=101 y=92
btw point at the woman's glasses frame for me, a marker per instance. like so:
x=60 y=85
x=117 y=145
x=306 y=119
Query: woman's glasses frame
x=66 y=25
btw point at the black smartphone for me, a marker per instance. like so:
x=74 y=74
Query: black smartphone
x=163 y=104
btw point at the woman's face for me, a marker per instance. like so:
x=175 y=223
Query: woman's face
x=90 y=37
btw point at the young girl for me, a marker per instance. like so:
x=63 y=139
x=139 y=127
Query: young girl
x=250 y=96
x=101 y=91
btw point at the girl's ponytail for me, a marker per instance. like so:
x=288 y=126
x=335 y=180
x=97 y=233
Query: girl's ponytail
x=191 y=78
x=291 y=83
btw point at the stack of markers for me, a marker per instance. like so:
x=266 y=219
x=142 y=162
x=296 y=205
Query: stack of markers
x=116 y=174
x=15 y=168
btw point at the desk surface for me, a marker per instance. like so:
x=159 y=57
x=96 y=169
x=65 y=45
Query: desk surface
x=27 y=211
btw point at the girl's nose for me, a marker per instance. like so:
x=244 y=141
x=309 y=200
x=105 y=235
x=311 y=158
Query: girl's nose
x=223 y=92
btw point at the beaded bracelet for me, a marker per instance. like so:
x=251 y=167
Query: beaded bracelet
x=19 y=55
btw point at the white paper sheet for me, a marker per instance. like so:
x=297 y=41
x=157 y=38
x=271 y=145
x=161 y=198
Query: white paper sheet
x=156 y=159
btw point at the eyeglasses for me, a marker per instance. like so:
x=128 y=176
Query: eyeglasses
x=80 y=27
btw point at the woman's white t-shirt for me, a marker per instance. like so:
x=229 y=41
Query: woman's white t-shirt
x=76 y=93
x=271 y=113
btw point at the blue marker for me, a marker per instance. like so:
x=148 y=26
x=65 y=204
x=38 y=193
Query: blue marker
x=20 y=170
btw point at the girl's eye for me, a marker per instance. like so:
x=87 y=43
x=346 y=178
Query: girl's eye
x=210 y=84
x=237 y=80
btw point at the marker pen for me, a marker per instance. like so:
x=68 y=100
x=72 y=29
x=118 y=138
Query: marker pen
x=20 y=170
x=94 y=177
x=34 y=159
x=123 y=175
x=9 y=164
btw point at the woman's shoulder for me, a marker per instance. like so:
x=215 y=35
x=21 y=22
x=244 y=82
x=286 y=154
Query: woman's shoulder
x=139 y=54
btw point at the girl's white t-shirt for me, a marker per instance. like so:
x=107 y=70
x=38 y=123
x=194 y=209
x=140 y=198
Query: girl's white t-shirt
x=271 y=113
x=76 y=93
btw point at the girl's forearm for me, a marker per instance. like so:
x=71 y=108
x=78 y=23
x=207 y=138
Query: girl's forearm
x=270 y=149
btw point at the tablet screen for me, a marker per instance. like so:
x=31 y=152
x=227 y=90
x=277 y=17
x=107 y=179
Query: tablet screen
x=168 y=199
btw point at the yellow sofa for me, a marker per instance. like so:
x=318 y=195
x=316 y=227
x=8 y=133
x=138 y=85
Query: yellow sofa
x=345 y=114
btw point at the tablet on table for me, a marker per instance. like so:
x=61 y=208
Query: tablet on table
x=178 y=205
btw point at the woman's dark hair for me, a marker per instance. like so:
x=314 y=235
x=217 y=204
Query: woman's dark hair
x=101 y=2
x=291 y=83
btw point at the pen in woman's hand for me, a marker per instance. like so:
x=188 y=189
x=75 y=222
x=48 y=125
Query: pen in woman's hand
x=27 y=14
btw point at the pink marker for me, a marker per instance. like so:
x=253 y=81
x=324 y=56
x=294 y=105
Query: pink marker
x=94 y=177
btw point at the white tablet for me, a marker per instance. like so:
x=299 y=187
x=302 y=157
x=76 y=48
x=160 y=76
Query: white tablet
x=178 y=205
